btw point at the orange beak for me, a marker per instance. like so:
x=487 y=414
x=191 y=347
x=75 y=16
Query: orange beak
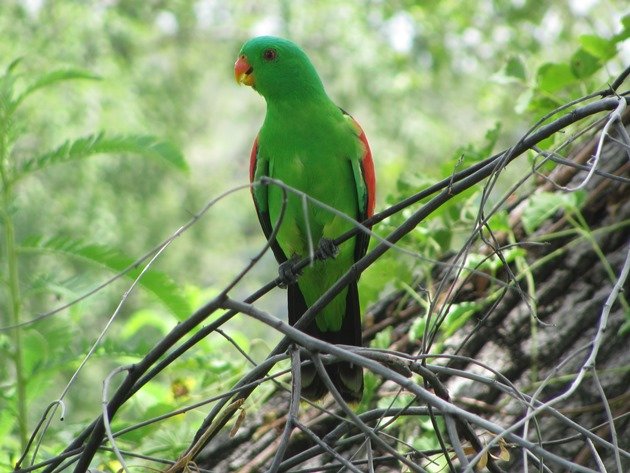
x=243 y=72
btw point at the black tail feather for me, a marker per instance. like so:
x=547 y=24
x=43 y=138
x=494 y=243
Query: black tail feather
x=346 y=377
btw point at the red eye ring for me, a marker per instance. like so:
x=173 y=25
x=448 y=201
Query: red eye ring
x=269 y=54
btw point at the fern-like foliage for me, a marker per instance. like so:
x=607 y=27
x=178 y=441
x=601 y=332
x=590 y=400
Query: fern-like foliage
x=50 y=78
x=156 y=282
x=73 y=150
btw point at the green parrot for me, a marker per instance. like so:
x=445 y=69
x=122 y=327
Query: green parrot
x=312 y=145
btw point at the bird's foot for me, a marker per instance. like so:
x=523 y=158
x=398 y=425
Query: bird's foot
x=287 y=273
x=326 y=249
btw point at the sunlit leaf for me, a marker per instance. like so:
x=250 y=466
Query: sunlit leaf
x=542 y=206
x=14 y=64
x=523 y=101
x=144 y=319
x=599 y=47
x=458 y=315
x=584 y=64
x=624 y=34
x=554 y=77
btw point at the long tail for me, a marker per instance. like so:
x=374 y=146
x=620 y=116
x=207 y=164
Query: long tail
x=346 y=377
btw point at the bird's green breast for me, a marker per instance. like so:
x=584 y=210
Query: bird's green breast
x=312 y=150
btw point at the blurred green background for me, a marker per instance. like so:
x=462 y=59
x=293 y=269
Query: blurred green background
x=424 y=79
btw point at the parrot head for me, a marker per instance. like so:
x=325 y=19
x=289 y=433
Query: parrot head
x=276 y=68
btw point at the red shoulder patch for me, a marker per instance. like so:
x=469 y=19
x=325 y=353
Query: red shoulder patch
x=367 y=166
x=252 y=160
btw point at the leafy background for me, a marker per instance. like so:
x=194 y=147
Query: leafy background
x=119 y=120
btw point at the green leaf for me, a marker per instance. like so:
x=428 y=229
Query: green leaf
x=599 y=47
x=458 y=315
x=383 y=339
x=14 y=64
x=54 y=77
x=142 y=320
x=553 y=77
x=542 y=206
x=584 y=64
x=8 y=421
x=515 y=68
x=499 y=221
x=523 y=101
x=81 y=148
x=156 y=282
x=625 y=32
x=417 y=329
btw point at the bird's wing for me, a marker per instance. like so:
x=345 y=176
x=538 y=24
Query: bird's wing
x=365 y=182
x=260 y=168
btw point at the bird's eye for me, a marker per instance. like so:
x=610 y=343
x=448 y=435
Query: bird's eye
x=269 y=54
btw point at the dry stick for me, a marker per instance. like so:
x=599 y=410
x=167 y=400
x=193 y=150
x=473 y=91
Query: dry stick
x=184 y=461
x=501 y=163
x=471 y=178
x=508 y=388
x=344 y=428
x=500 y=383
x=616 y=83
x=468 y=432
x=464 y=179
x=57 y=459
x=598 y=459
x=590 y=361
x=53 y=405
x=452 y=435
x=583 y=432
x=316 y=345
x=624 y=136
x=497 y=251
x=542 y=466
x=578 y=436
x=326 y=447
x=482 y=221
x=552 y=156
x=95 y=431
x=162 y=461
x=356 y=420
x=108 y=429
x=269 y=362
x=437 y=431
x=294 y=406
x=506 y=159
x=614 y=116
x=382 y=459
x=613 y=430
